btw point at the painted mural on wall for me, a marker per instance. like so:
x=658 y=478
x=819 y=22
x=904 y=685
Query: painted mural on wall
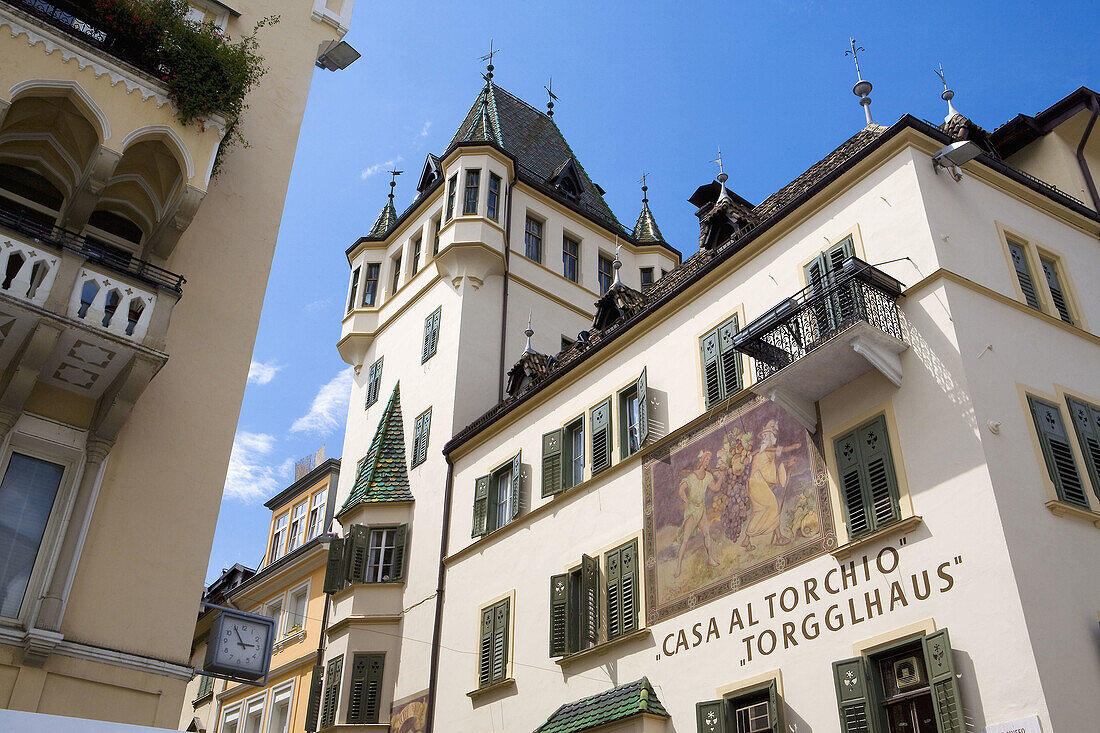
x=410 y=715
x=732 y=502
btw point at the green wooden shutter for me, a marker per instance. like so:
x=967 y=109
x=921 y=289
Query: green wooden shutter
x=878 y=468
x=481 y=506
x=431 y=336
x=852 y=484
x=837 y=254
x=365 y=696
x=1086 y=422
x=374 y=382
x=590 y=600
x=485 y=648
x=817 y=275
x=712 y=374
x=336 y=570
x=628 y=583
x=614 y=563
x=853 y=696
x=641 y=389
x=332 y=692
x=730 y=358
x=1023 y=274
x=552 y=469
x=601 y=437
x=1056 y=450
x=359 y=539
x=400 y=541
x=517 y=484
x=775 y=717
x=710 y=717
x=1050 y=271
x=500 y=641
x=421 y=430
x=313 y=704
x=941 y=676
x=559 y=615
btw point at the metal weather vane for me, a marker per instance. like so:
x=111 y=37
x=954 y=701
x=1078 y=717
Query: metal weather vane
x=489 y=57
x=854 y=53
x=550 y=103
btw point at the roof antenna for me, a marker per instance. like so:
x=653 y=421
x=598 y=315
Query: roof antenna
x=947 y=95
x=616 y=264
x=529 y=333
x=550 y=104
x=489 y=57
x=862 y=89
x=393 y=181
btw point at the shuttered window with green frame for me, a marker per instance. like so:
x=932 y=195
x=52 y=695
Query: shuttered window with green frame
x=365 y=693
x=498 y=497
x=374 y=383
x=1024 y=278
x=313 y=703
x=421 y=432
x=331 y=698
x=722 y=368
x=431 y=335
x=1057 y=452
x=868 y=483
x=1086 y=423
x=600 y=419
x=575 y=608
x=1054 y=285
x=622 y=590
x=756 y=709
x=633 y=416
x=493 y=643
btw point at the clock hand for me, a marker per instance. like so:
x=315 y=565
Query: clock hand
x=238 y=634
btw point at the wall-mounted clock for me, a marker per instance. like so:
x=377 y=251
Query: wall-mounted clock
x=239 y=645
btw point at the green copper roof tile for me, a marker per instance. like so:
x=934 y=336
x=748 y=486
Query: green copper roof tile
x=382 y=475
x=385 y=221
x=617 y=703
x=645 y=229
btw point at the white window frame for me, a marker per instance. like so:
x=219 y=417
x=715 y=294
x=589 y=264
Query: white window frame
x=294 y=538
x=57 y=444
x=231 y=714
x=317 y=503
x=278 y=695
x=288 y=613
x=280 y=602
x=278 y=536
x=250 y=704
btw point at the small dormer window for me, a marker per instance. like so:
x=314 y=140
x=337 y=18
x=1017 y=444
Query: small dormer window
x=567 y=180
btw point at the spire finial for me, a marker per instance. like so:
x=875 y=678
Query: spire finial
x=947 y=95
x=721 y=168
x=617 y=263
x=529 y=333
x=645 y=197
x=489 y=57
x=862 y=89
x=393 y=180
x=550 y=102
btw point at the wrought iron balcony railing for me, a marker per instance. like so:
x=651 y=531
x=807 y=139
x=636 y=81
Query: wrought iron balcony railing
x=78 y=18
x=812 y=317
x=63 y=239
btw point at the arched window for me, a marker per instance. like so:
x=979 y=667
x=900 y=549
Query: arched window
x=116 y=224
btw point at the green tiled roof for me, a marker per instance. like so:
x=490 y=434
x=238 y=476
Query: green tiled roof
x=617 y=703
x=382 y=475
x=645 y=230
x=385 y=221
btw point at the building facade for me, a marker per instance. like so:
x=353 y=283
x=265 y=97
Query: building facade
x=132 y=291
x=835 y=472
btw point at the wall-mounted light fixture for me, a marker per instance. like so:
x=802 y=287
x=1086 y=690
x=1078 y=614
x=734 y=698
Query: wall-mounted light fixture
x=336 y=55
x=953 y=156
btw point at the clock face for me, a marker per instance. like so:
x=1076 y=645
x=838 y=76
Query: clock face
x=242 y=644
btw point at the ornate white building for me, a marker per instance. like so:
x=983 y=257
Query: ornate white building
x=839 y=470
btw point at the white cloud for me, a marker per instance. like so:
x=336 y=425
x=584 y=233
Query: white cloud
x=424 y=130
x=262 y=373
x=378 y=168
x=250 y=477
x=318 y=304
x=329 y=407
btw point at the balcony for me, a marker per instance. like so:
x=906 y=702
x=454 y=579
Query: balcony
x=825 y=336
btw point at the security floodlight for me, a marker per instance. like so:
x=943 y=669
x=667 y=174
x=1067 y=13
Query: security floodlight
x=337 y=56
x=954 y=155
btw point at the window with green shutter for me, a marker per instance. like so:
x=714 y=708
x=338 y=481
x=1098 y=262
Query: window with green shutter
x=1023 y=274
x=1086 y=423
x=903 y=687
x=622 y=590
x=206 y=686
x=868 y=484
x=431 y=335
x=552 y=470
x=498 y=497
x=1057 y=452
x=365 y=693
x=721 y=364
x=374 y=383
x=421 y=431
x=331 y=697
x=1054 y=284
x=336 y=572
x=313 y=703
x=633 y=417
x=575 y=608
x=493 y=644
x=601 y=436
x=756 y=709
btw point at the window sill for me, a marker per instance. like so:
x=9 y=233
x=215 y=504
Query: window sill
x=1061 y=509
x=577 y=657
x=496 y=686
x=292 y=638
x=203 y=699
x=899 y=527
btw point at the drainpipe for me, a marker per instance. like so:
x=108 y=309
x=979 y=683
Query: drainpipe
x=504 y=304
x=1095 y=107
x=433 y=674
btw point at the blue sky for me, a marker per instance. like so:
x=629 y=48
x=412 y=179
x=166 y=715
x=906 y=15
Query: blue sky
x=643 y=86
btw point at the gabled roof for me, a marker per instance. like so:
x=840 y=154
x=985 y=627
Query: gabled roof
x=624 y=701
x=1024 y=129
x=383 y=475
x=528 y=370
x=645 y=229
x=534 y=140
x=618 y=304
x=429 y=174
x=385 y=221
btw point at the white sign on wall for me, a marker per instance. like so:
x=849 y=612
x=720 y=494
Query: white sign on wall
x=1023 y=725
